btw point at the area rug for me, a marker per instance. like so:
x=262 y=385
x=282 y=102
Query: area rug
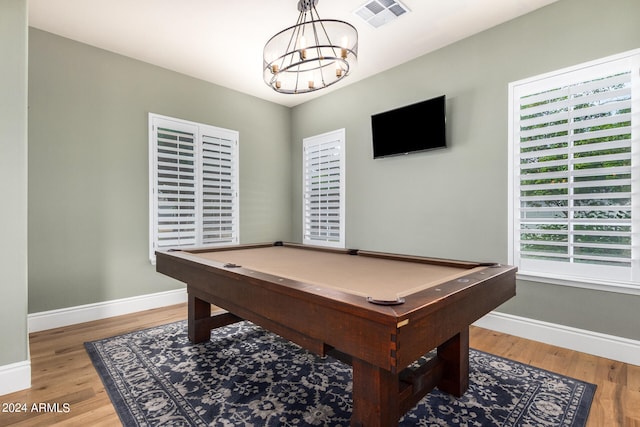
x=246 y=376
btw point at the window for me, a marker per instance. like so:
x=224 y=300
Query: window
x=323 y=186
x=193 y=184
x=574 y=147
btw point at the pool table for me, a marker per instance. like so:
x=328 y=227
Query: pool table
x=378 y=312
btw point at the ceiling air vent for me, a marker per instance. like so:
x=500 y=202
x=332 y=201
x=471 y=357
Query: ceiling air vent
x=380 y=12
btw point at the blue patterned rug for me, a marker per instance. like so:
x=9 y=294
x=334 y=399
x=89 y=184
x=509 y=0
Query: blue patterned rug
x=246 y=376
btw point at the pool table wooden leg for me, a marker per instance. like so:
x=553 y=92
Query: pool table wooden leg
x=375 y=396
x=200 y=321
x=198 y=310
x=454 y=354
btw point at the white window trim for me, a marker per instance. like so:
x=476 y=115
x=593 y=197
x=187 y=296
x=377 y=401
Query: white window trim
x=623 y=287
x=198 y=129
x=333 y=137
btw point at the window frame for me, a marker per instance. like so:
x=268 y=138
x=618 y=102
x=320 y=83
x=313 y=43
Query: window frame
x=203 y=134
x=334 y=140
x=568 y=76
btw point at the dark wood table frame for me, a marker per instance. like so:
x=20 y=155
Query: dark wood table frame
x=378 y=341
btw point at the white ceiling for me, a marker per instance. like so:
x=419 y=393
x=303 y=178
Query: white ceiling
x=222 y=41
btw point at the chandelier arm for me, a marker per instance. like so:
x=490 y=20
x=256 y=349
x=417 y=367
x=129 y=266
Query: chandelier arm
x=295 y=35
x=326 y=34
x=330 y=43
x=316 y=19
x=319 y=50
x=297 y=79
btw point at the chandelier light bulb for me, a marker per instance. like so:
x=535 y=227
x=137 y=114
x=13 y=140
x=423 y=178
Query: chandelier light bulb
x=345 y=44
x=302 y=44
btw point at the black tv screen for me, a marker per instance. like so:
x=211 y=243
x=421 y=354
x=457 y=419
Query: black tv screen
x=408 y=129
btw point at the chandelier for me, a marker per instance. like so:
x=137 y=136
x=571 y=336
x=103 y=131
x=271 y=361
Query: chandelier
x=311 y=55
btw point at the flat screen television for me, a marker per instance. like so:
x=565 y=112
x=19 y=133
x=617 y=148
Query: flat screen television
x=409 y=129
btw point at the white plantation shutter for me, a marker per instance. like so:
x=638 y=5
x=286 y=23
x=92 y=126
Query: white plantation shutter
x=574 y=138
x=193 y=184
x=219 y=187
x=323 y=186
x=176 y=185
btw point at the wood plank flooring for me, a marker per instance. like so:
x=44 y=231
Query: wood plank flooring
x=63 y=374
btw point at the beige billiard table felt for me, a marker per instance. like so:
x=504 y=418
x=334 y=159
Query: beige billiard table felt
x=377 y=278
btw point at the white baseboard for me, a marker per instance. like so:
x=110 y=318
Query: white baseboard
x=602 y=345
x=15 y=377
x=86 y=313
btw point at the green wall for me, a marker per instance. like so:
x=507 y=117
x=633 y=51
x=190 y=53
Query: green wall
x=89 y=174
x=13 y=181
x=453 y=203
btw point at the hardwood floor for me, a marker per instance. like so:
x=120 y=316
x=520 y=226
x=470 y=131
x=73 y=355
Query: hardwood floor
x=62 y=373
